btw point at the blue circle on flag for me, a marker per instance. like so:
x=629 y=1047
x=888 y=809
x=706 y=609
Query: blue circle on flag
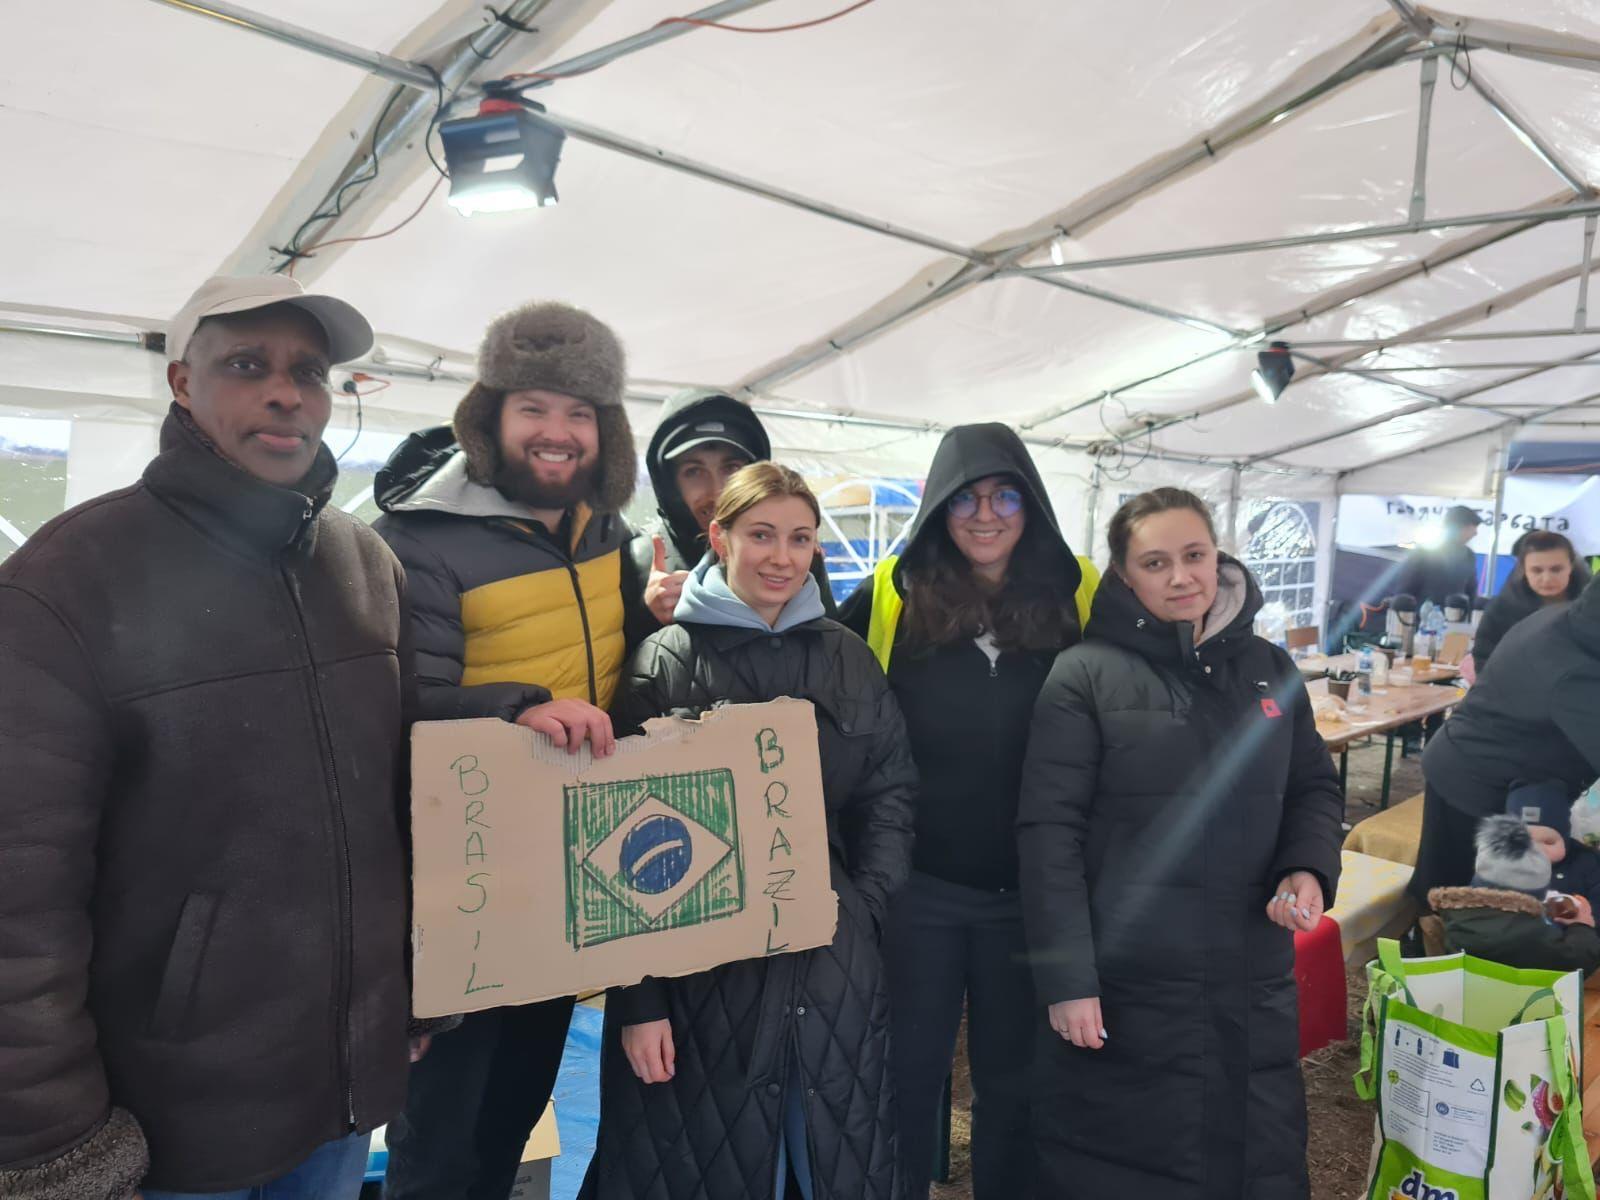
x=656 y=854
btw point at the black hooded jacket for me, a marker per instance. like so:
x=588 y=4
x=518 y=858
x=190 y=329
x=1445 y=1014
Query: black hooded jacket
x=1169 y=787
x=968 y=717
x=1515 y=603
x=1530 y=716
x=686 y=543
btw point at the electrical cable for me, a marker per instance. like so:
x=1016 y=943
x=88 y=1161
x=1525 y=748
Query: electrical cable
x=510 y=21
x=372 y=237
x=1457 y=55
x=427 y=138
x=703 y=24
x=352 y=387
x=551 y=76
x=294 y=249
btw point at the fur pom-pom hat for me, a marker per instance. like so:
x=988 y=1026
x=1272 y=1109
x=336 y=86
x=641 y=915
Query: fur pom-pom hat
x=555 y=348
x=1508 y=859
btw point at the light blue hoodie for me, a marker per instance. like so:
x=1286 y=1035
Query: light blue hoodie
x=708 y=600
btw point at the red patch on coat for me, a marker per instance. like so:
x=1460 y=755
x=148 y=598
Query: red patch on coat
x=1270 y=707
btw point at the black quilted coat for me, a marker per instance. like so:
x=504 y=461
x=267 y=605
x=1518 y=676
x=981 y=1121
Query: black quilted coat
x=712 y=1133
x=1167 y=791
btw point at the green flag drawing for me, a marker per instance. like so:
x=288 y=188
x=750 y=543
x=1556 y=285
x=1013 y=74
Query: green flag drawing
x=660 y=852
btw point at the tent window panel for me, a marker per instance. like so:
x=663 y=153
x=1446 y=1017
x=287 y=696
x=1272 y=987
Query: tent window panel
x=1280 y=548
x=33 y=476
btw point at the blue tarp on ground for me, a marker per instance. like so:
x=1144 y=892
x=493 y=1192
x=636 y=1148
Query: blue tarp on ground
x=577 y=1100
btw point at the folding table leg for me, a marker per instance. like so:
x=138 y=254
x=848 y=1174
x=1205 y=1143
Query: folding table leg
x=1388 y=768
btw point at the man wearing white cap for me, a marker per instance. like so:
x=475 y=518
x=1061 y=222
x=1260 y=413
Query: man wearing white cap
x=203 y=918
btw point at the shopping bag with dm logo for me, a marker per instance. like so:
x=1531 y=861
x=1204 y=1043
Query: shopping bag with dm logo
x=1476 y=1068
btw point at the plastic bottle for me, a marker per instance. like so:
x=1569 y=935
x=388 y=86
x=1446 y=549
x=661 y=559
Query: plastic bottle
x=1364 y=671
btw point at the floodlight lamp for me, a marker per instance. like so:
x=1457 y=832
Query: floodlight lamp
x=1274 y=370
x=502 y=159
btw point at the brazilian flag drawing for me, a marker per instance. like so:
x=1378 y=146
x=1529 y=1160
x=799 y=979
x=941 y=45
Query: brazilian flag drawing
x=661 y=852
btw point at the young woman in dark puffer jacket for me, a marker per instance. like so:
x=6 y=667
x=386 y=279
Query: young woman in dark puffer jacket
x=1179 y=820
x=1548 y=574
x=768 y=1077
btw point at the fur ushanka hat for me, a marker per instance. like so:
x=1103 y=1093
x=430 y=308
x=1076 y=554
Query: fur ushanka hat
x=555 y=348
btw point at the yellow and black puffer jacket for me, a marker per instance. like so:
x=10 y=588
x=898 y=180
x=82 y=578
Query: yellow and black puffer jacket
x=504 y=613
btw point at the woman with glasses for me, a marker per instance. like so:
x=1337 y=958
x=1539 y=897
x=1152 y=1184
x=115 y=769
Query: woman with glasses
x=1179 y=820
x=967 y=622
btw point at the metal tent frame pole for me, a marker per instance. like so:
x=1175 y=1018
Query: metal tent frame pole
x=1528 y=216
x=1360 y=289
x=1535 y=419
x=1461 y=317
x=388 y=67
x=1383 y=52
x=1502 y=468
x=1372 y=345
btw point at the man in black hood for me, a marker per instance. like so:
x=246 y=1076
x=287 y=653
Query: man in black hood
x=703 y=437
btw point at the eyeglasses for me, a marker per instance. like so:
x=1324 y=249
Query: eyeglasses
x=1003 y=502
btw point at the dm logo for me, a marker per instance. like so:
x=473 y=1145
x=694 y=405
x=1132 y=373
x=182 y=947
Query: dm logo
x=661 y=852
x=1416 y=1187
x=656 y=853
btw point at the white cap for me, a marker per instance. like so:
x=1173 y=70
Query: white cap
x=349 y=334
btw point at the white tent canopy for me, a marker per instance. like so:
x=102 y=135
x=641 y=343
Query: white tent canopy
x=919 y=214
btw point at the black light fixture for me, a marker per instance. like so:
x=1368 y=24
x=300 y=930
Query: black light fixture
x=502 y=159
x=1274 y=370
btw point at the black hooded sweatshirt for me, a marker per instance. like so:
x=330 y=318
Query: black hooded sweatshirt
x=967 y=717
x=686 y=543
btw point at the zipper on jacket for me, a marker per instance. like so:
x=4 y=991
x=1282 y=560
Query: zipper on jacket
x=550 y=542
x=346 y=935
x=588 y=638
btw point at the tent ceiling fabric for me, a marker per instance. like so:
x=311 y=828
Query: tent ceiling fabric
x=977 y=125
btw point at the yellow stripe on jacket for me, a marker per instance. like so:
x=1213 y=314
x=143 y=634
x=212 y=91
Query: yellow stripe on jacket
x=528 y=629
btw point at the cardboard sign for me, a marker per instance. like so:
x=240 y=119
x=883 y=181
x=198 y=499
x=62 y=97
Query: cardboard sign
x=539 y=873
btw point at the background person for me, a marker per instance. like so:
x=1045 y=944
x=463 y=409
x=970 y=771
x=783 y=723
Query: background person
x=508 y=525
x=1451 y=568
x=1529 y=718
x=771 y=1074
x=1179 y=818
x=702 y=438
x=202 y=723
x=987 y=583
x=1548 y=572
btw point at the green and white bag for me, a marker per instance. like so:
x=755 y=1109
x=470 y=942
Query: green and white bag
x=1476 y=1068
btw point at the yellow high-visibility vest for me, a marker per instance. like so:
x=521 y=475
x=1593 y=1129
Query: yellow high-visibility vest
x=887 y=604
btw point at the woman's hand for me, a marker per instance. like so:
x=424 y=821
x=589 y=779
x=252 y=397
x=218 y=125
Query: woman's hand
x=1297 y=904
x=649 y=1050
x=1079 y=1022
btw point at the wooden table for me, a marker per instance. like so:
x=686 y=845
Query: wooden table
x=1319 y=665
x=1387 y=711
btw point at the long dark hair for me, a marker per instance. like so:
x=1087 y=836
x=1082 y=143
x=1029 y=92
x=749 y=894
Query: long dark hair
x=1033 y=609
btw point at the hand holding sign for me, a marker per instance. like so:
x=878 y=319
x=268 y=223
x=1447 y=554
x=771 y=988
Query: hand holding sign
x=569 y=722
